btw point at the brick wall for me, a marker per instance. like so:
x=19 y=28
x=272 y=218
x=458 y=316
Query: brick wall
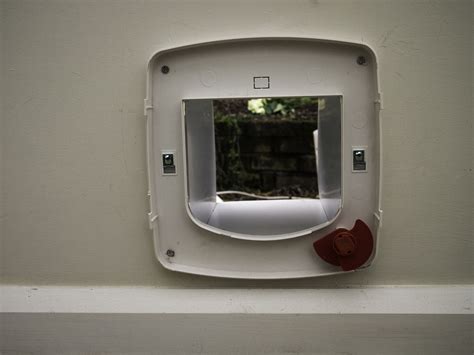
x=266 y=156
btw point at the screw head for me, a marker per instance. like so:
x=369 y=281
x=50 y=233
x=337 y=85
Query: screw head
x=170 y=253
x=361 y=60
x=165 y=69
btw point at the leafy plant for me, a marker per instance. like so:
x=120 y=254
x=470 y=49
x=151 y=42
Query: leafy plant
x=290 y=107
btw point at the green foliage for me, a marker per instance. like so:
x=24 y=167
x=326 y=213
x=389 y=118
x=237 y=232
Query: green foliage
x=237 y=119
x=231 y=173
x=292 y=107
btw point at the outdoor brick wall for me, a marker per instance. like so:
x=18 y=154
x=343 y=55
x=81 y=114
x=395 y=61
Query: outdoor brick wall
x=275 y=156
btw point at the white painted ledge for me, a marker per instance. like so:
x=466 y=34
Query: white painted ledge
x=132 y=320
x=147 y=300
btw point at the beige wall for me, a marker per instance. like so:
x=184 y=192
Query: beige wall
x=1 y=126
x=73 y=142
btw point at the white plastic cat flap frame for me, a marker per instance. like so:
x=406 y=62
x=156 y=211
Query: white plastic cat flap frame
x=195 y=229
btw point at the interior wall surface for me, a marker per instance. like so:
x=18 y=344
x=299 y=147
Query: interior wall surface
x=73 y=172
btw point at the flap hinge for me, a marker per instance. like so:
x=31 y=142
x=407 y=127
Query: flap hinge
x=147 y=106
x=151 y=219
x=379 y=216
x=379 y=101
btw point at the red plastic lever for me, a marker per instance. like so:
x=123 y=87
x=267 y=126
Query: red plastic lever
x=349 y=249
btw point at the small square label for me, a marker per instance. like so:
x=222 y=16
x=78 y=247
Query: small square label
x=261 y=82
x=167 y=159
x=358 y=160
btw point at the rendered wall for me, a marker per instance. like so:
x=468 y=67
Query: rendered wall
x=73 y=132
x=1 y=126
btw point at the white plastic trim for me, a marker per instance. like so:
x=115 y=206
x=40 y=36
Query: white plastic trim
x=255 y=268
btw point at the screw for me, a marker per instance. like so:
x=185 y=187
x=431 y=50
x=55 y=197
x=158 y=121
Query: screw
x=165 y=69
x=361 y=60
x=170 y=253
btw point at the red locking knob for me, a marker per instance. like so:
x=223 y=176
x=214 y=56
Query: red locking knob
x=344 y=244
x=349 y=249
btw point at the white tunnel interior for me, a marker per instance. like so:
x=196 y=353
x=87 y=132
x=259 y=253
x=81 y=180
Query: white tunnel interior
x=265 y=218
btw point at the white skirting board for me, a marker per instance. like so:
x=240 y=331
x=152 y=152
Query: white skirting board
x=379 y=320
